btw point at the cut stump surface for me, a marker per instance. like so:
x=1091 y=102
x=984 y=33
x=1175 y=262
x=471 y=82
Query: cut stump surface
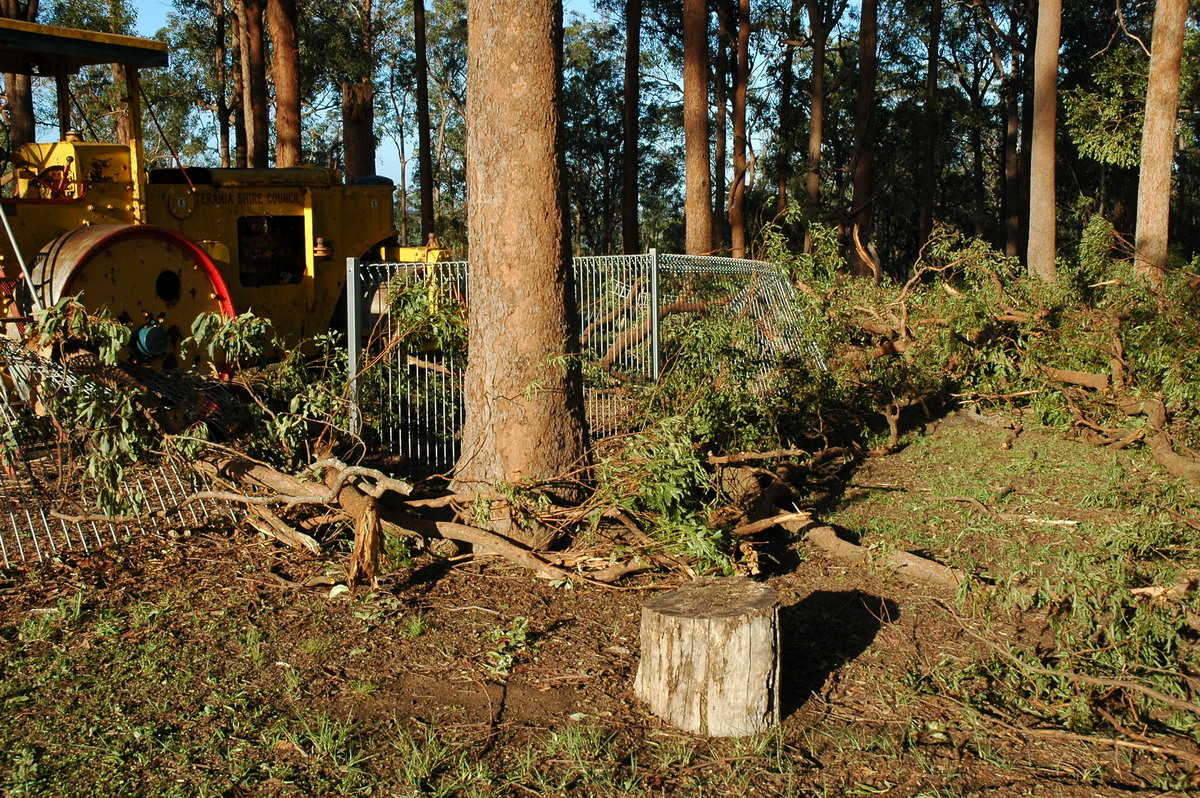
x=710 y=657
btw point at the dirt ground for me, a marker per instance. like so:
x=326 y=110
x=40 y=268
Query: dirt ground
x=213 y=662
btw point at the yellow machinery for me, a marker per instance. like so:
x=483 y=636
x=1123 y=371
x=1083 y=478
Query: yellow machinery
x=159 y=248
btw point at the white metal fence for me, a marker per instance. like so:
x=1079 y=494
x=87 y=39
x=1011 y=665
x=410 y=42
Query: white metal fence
x=633 y=310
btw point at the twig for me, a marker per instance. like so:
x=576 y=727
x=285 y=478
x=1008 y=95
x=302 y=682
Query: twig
x=745 y=457
x=754 y=527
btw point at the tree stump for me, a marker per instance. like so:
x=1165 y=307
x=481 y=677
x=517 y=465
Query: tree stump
x=710 y=657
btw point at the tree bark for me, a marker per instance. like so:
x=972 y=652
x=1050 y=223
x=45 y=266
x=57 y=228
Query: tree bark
x=523 y=394
x=630 y=238
x=698 y=208
x=285 y=69
x=1158 y=142
x=928 y=148
x=424 y=143
x=1042 y=211
x=737 y=199
x=822 y=17
x=863 y=163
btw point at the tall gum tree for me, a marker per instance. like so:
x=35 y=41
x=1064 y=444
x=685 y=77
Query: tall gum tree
x=1043 y=227
x=698 y=216
x=863 y=164
x=523 y=393
x=285 y=72
x=741 y=171
x=1158 y=141
x=630 y=111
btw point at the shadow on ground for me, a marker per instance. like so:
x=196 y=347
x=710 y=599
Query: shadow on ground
x=821 y=633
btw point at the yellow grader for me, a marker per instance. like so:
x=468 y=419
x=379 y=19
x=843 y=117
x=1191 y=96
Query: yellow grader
x=158 y=248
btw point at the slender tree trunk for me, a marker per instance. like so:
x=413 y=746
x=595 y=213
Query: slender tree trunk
x=424 y=144
x=822 y=17
x=523 y=396
x=786 y=114
x=863 y=164
x=1042 y=209
x=1012 y=179
x=240 y=145
x=929 y=140
x=285 y=69
x=630 y=112
x=721 y=134
x=254 y=85
x=220 y=76
x=741 y=173
x=1158 y=142
x=19 y=88
x=698 y=209
x=1025 y=55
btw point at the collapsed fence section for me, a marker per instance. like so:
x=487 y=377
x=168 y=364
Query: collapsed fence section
x=638 y=315
x=47 y=504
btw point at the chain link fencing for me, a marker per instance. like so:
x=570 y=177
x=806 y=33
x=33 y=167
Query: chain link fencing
x=634 y=315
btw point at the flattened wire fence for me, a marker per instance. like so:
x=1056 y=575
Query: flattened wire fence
x=46 y=505
x=634 y=311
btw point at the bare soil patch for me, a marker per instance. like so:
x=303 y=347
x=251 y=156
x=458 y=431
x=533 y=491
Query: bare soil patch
x=202 y=664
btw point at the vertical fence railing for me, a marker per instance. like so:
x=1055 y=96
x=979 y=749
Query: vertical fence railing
x=413 y=399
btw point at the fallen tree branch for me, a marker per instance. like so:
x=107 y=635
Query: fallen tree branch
x=1174 y=703
x=909 y=565
x=1098 y=382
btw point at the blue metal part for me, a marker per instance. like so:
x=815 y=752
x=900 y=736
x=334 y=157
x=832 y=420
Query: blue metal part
x=150 y=340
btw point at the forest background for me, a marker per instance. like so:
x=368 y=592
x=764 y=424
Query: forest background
x=936 y=129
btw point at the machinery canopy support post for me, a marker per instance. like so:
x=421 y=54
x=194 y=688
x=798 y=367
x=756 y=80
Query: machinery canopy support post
x=353 y=337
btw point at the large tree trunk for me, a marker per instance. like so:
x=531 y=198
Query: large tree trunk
x=630 y=237
x=1158 y=141
x=523 y=394
x=285 y=69
x=930 y=122
x=697 y=209
x=1042 y=214
x=254 y=85
x=424 y=146
x=19 y=88
x=863 y=163
x=741 y=173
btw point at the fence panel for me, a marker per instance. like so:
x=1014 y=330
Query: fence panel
x=412 y=396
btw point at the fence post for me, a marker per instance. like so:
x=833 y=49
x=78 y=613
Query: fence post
x=654 y=315
x=353 y=338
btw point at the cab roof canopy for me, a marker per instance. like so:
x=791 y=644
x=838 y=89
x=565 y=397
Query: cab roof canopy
x=30 y=49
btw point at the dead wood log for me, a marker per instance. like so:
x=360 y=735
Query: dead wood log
x=1097 y=382
x=911 y=566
